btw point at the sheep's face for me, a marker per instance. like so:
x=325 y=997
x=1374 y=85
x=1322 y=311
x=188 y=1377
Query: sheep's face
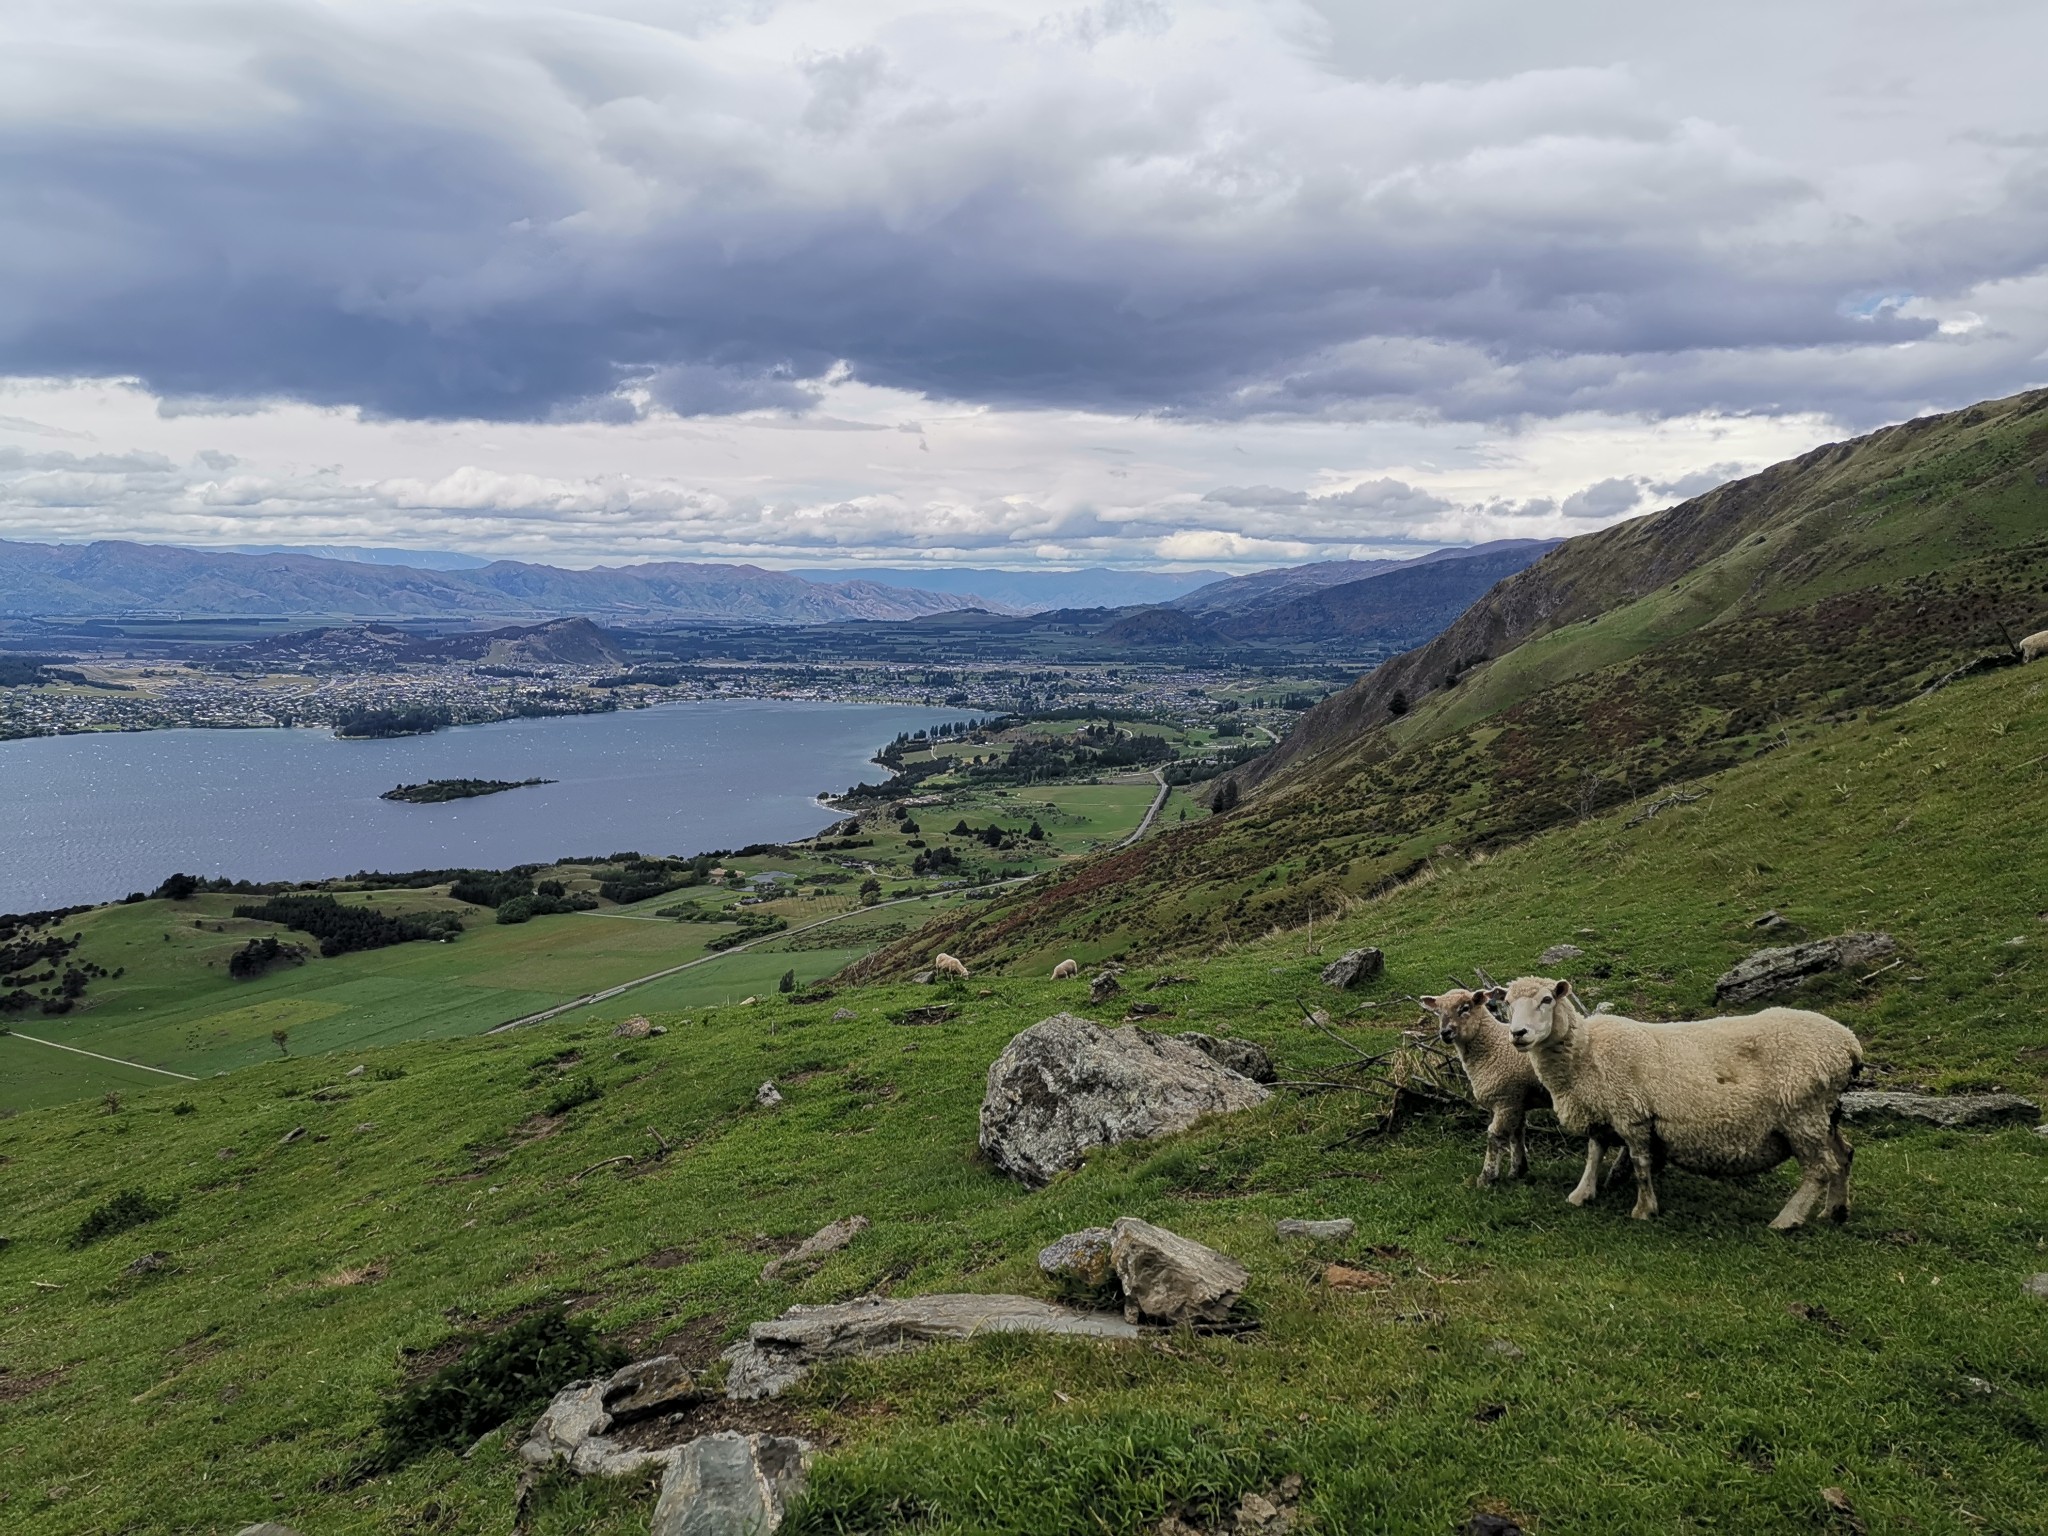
x=1462 y=1017
x=1536 y=1011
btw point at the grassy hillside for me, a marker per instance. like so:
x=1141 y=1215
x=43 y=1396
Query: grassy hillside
x=1581 y=1371
x=1646 y=655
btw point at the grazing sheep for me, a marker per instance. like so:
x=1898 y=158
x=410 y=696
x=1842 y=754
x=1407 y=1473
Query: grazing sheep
x=1503 y=1082
x=946 y=965
x=2034 y=647
x=1719 y=1096
x=1066 y=969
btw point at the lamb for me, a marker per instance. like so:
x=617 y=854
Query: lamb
x=2034 y=647
x=1503 y=1082
x=1066 y=969
x=946 y=965
x=1719 y=1096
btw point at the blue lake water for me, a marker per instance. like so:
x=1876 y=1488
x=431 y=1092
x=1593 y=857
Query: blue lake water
x=90 y=818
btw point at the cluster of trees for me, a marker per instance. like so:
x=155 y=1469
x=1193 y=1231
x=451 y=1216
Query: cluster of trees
x=549 y=898
x=375 y=724
x=937 y=861
x=29 y=957
x=641 y=879
x=491 y=887
x=259 y=955
x=343 y=930
x=1192 y=771
x=182 y=887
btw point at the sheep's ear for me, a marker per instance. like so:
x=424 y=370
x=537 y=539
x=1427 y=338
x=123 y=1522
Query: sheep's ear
x=1429 y=1002
x=1564 y=989
x=1496 y=994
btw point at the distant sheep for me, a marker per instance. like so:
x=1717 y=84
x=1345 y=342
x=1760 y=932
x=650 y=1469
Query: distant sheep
x=1065 y=969
x=2034 y=647
x=1718 y=1096
x=946 y=965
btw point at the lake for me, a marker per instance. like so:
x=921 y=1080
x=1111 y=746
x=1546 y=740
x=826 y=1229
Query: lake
x=89 y=818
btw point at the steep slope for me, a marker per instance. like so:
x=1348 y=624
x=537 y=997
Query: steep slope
x=327 y=1238
x=1659 y=651
x=114 y=577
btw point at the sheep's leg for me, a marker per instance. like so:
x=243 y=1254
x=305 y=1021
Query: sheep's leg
x=1519 y=1140
x=1838 y=1193
x=1640 y=1156
x=1497 y=1131
x=1817 y=1175
x=1589 y=1181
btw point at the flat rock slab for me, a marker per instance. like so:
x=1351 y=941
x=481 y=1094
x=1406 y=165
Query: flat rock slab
x=647 y=1387
x=1954 y=1111
x=2037 y=1285
x=266 y=1528
x=827 y=1239
x=775 y=1354
x=1173 y=1279
x=1336 y=1231
x=1557 y=954
x=1065 y=1086
x=1771 y=971
x=1357 y=965
x=730 y=1484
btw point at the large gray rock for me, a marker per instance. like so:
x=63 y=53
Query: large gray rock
x=1168 y=1278
x=1771 y=971
x=1065 y=1086
x=1953 y=1111
x=730 y=1484
x=1080 y=1258
x=647 y=1387
x=575 y=1427
x=1244 y=1057
x=775 y=1354
x=827 y=1239
x=1353 y=967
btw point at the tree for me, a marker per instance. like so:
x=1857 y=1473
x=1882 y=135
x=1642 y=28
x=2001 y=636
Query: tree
x=1036 y=833
x=1397 y=706
x=278 y=1038
x=788 y=982
x=1226 y=797
x=179 y=887
x=870 y=891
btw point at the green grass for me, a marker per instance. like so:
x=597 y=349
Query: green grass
x=1582 y=1371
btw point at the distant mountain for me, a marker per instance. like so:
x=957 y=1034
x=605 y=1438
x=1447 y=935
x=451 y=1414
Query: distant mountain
x=81 y=580
x=1398 y=608
x=1036 y=591
x=418 y=559
x=371 y=647
x=1262 y=589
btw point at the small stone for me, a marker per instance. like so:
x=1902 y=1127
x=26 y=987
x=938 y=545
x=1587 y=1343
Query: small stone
x=2041 y=1130
x=1557 y=954
x=827 y=1239
x=149 y=1263
x=1244 y=1057
x=266 y=1528
x=1342 y=1277
x=1354 y=966
x=748 y=1002
x=841 y=1015
x=1104 y=987
x=638 y=1027
x=292 y=1135
x=648 y=1387
x=1336 y=1231
x=730 y=1484
x=1771 y=919
x=1173 y=1279
x=355 y=1071
x=2037 y=1285
x=1505 y=1349
x=768 y=1095
x=657 y=1029
x=1080 y=1259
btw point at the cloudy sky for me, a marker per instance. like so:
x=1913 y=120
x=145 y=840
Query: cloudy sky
x=992 y=282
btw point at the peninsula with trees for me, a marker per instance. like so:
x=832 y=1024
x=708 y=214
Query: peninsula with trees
x=435 y=791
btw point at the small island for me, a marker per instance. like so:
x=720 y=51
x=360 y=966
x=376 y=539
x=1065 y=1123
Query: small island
x=434 y=791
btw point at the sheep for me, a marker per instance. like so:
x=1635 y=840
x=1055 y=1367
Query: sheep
x=2034 y=647
x=1718 y=1096
x=1065 y=970
x=1503 y=1082
x=946 y=965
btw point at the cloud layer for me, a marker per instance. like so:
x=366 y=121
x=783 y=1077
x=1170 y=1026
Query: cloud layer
x=440 y=211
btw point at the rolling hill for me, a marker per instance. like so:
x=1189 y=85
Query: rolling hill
x=1662 y=650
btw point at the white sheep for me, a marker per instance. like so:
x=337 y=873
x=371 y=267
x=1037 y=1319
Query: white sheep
x=1065 y=970
x=1504 y=1084
x=946 y=965
x=1719 y=1096
x=2034 y=647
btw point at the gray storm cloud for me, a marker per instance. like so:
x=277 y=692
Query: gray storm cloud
x=582 y=212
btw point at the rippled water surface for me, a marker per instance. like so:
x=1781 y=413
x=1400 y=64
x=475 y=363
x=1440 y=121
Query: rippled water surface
x=89 y=818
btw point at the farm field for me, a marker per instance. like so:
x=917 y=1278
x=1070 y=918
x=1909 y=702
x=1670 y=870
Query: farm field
x=1569 y=1368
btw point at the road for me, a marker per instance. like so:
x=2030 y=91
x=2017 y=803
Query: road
x=1158 y=800
x=96 y=1056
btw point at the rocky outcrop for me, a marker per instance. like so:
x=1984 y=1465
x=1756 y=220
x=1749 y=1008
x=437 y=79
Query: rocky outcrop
x=730 y=1484
x=1243 y=1057
x=1769 y=972
x=1336 y=1231
x=768 y=1095
x=827 y=1239
x=1167 y=1278
x=775 y=1354
x=1080 y=1259
x=1557 y=954
x=574 y=1429
x=1065 y=1086
x=1353 y=967
x=1952 y=1111
x=1103 y=988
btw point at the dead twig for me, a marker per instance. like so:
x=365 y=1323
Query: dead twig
x=1883 y=968
x=623 y=1157
x=1316 y=1022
